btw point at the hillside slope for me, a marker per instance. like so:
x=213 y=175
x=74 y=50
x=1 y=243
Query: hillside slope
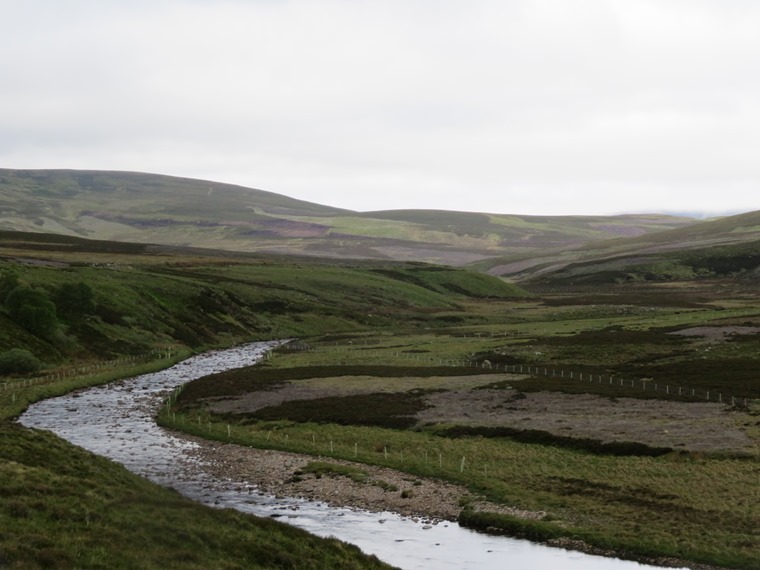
x=150 y=208
x=724 y=247
x=145 y=297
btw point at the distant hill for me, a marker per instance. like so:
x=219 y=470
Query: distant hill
x=724 y=247
x=151 y=208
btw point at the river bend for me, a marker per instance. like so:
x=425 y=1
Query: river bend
x=116 y=421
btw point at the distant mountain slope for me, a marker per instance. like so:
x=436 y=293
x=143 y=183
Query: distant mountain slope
x=727 y=246
x=150 y=208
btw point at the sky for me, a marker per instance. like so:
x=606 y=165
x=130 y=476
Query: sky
x=558 y=107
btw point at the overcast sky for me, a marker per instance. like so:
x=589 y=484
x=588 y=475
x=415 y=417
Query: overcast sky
x=504 y=106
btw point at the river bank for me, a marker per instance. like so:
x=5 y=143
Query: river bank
x=118 y=421
x=383 y=490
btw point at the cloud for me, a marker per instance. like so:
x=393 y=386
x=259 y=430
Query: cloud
x=521 y=106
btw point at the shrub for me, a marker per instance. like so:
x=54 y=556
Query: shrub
x=8 y=282
x=18 y=361
x=32 y=310
x=73 y=300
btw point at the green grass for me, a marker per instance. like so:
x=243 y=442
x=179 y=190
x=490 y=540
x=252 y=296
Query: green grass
x=686 y=507
x=198 y=302
x=636 y=500
x=396 y=319
x=63 y=507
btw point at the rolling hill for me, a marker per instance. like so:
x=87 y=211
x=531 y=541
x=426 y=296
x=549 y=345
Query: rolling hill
x=725 y=247
x=150 y=208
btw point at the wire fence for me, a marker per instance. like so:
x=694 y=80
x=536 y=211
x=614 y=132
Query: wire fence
x=658 y=389
x=388 y=455
x=12 y=385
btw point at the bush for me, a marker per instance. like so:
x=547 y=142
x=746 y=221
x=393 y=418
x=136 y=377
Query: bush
x=32 y=310
x=8 y=282
x=73 y=300
x=18 y=361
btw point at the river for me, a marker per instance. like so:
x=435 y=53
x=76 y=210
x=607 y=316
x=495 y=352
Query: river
x=116 y=421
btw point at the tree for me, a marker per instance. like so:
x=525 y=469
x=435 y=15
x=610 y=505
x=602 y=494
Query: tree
x=8 y=282
x=73 y=300
x=32 y=310
x=19 y=361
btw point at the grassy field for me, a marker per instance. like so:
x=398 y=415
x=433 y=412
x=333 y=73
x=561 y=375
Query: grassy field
x=62 y=507
x=359 y=397
x=147 y=298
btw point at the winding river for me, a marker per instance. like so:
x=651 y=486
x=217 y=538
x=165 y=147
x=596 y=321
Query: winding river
x=116 y=421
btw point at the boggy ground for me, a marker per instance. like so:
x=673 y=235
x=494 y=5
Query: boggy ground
x=467 y=401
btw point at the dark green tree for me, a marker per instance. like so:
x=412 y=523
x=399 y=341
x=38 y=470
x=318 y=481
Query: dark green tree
x=33 y=310
x=73 y=300
x=8 y=282
x=18 y=361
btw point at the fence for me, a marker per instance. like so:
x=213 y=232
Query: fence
x=79 y=371
x=644 y=384
x=391 y=455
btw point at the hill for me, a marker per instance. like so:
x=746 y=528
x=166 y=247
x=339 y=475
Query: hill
x=144 y=297
x=726 y=247
x=150 y=208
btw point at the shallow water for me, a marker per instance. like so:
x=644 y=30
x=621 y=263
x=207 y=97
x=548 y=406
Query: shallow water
x=116 y=421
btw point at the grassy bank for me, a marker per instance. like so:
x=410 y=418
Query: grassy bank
x=63 y=507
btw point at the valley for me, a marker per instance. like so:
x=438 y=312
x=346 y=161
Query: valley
x=610 y=385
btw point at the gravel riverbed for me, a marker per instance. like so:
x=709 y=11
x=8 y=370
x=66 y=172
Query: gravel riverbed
x=384 y=490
